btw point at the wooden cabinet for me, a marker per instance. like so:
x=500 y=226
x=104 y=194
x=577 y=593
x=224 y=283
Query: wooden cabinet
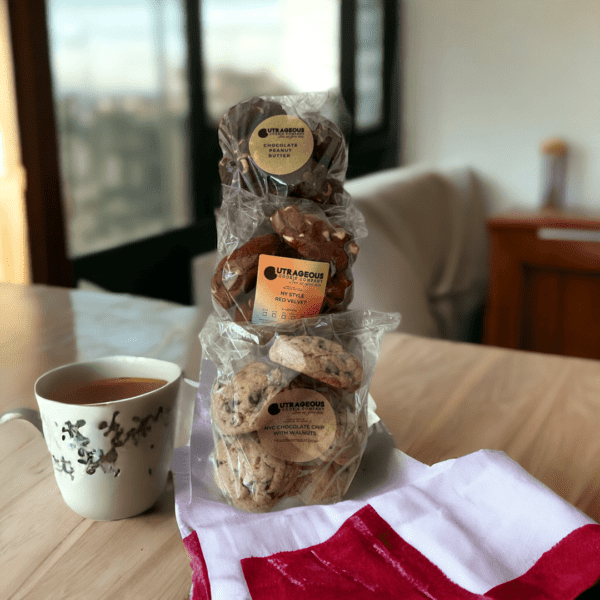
x=544 y=292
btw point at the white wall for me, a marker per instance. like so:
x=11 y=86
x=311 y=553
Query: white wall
x=485 y=81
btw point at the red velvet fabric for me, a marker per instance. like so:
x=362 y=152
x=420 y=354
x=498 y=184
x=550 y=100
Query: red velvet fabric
x=200 y=582
x=562 y=573
x=367 y=559
x=364 y=559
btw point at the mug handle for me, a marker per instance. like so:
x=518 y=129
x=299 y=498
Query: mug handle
x=28 y=414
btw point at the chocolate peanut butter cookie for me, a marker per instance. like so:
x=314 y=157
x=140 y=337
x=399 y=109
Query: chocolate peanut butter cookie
x=237 y=168
x=330 y=146
x=249 y=476
x=317 y=186
x=240 y=406
x=319 y=179
x=318 y=358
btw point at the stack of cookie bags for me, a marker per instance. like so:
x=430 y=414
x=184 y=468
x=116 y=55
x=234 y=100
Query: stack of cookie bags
x=288 y=404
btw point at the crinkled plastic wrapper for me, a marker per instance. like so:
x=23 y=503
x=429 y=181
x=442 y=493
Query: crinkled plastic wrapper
x=289 y=146
x=250 y=226
x=288 y=405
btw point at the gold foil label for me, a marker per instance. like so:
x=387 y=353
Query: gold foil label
x=281 y=144
x=288 y=288
x=300 y=427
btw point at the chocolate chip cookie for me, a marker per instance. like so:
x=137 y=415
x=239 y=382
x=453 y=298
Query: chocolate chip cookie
x=351 y=426
x=241 y=405
x=350 y=435
x=318 y=358
x=249 y=476
x=326 y=482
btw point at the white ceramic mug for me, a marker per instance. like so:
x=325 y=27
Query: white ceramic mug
x=111 y=460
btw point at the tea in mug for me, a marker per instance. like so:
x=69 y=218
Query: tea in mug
x=104 y=390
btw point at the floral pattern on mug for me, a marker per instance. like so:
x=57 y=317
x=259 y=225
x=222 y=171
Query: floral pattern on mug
x=97 y=458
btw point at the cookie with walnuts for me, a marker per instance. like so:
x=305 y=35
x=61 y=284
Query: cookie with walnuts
x=350 y=435
x=325 y=482
x=241 y=405
x=250 y=477
x=319 y=358
x=351 y=425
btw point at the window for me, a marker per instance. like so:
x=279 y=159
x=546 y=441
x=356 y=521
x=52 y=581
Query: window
x=369 y=69
x=121 y=101
x=281 y=47
x=133 y=90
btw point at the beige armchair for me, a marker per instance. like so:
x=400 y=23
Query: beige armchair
x=426 y=252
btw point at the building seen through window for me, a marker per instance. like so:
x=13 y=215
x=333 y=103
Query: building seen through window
x=120 y=83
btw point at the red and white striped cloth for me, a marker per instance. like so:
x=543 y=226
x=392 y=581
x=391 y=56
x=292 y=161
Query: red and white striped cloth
x=475 y=527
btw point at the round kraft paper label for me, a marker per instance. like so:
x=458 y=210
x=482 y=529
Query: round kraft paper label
x=281 y=144
x=300 y=427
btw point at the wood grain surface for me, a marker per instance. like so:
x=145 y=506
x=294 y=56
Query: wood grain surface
x=439 y=399
x=443 y=400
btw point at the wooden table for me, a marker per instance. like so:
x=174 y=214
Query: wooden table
x=47 y=550
x=443 y=400
x=439 y=399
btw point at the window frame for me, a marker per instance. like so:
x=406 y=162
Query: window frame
x=39 y=148
x=376 y=148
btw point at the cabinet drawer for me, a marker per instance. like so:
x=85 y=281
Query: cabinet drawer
x=544 y=292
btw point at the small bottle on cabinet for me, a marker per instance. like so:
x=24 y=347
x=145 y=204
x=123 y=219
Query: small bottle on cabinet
x=554 y=173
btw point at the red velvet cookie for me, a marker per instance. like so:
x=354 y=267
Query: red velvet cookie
x=314 y=238
x=338 y=293
x=237 y=272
